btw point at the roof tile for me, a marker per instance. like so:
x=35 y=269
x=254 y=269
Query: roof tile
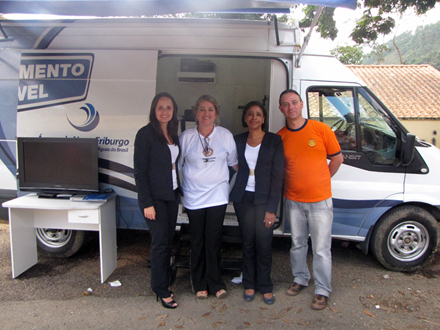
x=409 y=91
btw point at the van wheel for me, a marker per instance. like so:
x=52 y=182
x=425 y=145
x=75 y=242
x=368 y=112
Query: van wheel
x=59 y=243
x=405 y=239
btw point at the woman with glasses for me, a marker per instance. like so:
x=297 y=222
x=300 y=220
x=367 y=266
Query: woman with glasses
x=156 y=151
x=207 y=151
x=256 y=195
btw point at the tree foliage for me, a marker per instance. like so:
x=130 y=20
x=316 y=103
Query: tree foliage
x=379 y=52
x=375 y=21
x=326 y=24
x=369 y=27
x=348 y=54
x=420 y=47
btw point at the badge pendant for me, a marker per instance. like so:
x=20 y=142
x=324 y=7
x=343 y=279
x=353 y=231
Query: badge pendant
x=207 y=151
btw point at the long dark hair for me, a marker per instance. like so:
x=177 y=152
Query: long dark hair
x=247 y=107
x=173 y=124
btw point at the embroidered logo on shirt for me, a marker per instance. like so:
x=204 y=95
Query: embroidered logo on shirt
x=208 y=159
x=312 y=143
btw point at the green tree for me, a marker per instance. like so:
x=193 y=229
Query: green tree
x=420 y=47
x=375 y=21
x=378 y=52
x=326 y=24
x=348 y=54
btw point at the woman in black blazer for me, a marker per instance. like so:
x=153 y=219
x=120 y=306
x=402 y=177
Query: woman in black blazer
x=156 y=151
x=256 y=195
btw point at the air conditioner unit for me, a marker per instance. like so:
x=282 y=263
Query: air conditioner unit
x=205 y=77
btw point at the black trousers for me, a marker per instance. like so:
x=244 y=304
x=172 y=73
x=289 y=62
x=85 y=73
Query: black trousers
x=206 y=227
x=257 y=244
x=162 y=232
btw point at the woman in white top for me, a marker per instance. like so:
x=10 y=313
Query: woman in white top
x=207 y=151
x=256 y=195
x=156 y=151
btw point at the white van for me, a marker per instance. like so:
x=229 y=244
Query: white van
x=96 y=78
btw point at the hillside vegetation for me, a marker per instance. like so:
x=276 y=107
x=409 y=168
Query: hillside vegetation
x=420 y=47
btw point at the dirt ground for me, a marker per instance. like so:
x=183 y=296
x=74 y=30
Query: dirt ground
x=53 y=294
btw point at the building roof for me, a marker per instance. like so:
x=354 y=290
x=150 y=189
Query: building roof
x=409 y=91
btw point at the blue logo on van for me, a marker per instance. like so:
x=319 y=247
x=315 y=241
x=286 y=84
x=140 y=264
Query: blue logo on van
x=92 y=119
x=52 y=79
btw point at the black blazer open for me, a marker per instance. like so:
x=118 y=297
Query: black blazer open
x=152 y=168
x=269 y=171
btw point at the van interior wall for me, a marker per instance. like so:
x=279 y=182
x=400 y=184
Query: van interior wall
x=237 y=81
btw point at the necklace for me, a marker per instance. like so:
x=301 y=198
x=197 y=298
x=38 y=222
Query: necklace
x=206 y=149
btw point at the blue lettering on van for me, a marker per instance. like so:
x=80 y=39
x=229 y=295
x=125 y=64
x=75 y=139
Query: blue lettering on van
x=105 y=141
x=51 y=79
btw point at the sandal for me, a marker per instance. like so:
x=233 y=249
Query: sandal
x=202 y=294
x=220 y=293
x=170 y=304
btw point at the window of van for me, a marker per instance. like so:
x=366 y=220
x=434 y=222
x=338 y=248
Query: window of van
x=379 y=141
x=359 y=122
x=335 y=107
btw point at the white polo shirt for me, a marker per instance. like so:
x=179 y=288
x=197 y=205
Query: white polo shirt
x=205 y=179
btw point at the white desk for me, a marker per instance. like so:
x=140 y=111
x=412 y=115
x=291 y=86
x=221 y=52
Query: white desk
x=29 y=212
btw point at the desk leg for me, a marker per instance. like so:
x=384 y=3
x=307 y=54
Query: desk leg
x=107 y=240
x=23 y=240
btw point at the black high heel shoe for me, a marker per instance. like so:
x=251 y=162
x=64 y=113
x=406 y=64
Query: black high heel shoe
x=170 y=305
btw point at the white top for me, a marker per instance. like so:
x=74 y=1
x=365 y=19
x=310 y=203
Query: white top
x=205 y=179
x=174 y=153
x=251 y=155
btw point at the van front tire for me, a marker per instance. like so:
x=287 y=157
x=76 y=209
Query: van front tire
x=405 y=239
x=59 y=243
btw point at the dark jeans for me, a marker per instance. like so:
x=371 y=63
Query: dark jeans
x=206 y=226
x=162 y=232
x=257 y=244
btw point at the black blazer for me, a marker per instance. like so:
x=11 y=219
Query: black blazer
x=152 y=168
x=269 y=171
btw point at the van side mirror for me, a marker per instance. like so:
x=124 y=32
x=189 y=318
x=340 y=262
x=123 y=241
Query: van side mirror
x=408 y=147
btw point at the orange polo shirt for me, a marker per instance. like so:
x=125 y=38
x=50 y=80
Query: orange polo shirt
x=306 y=173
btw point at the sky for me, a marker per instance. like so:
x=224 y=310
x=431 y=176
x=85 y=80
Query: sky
x=345 y=21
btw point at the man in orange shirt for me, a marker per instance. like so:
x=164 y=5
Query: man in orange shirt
x=308 y=203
